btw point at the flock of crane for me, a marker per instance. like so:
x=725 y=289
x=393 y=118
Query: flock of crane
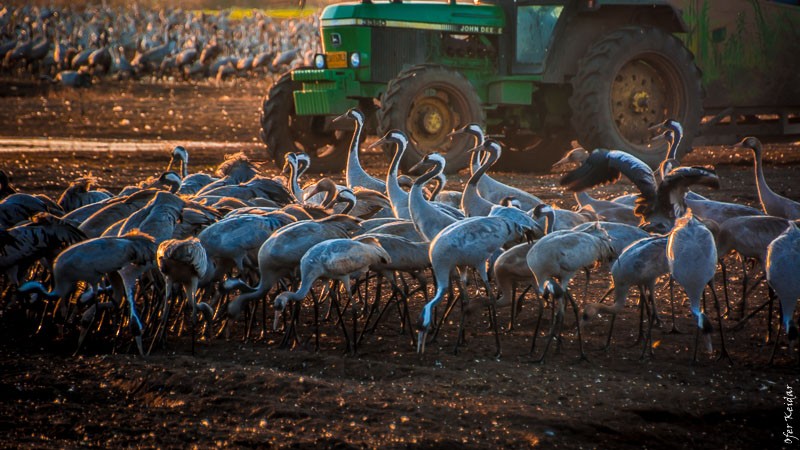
x=71 y=46
x=219 y=246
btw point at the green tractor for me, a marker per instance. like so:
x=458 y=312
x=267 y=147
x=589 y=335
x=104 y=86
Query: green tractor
x=539 y=74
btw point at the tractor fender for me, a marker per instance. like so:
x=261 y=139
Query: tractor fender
x=585 y=26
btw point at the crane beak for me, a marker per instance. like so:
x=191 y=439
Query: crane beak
x=475 y=149
x=658 y=137
x=738 y=145
x=456 y=132
x=560 y=164
x=380 y=141
x=656 y=127
x=339 y=118
x=495 y=136
x=418 y=166
x=276 y=324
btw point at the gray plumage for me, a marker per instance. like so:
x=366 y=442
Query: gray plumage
x=355 y=175
x=428 y=219
x=783 y=259
x=470 y=243
x=471 y=201
x=692 y=257
x=281 y=253
x=772 y=203
x=335 y=259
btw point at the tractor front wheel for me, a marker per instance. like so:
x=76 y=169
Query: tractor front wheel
x=283 y=131
x=630 y=80
x=427 y=103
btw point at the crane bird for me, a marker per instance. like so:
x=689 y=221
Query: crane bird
x=639 y=264
x=397 y=196
x=236 y=169
x=405 y=256
x=673 y=134
x=772 y=203
x=20 y=207
x=293 y=169
x=190 y=183
x=692 y=258
x=470 y=243
x=471 y=201
x=428 y=219
x=783 y=258
x=749 y=237
x=560 y=256
x=658 y=204
x=339 y=260
x=80 y=193
x=355 y=175
x=281 y=253
x=43 y=237
x=488 y=187
x=184 y=262
x=90 y=261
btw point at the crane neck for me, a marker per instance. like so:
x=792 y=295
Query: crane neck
x=492 y=157
x=549 y=222
x=353 y=164
x=293 y=184
x=423 y=179
x=761 y=182
x=350 y=205
x=474 y=159
x=440 y=181
x=330 y=198
x=393 y=189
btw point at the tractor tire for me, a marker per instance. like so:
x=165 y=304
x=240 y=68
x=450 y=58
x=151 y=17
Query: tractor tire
x=629 y=80
x=428 y=102
x=283 y=131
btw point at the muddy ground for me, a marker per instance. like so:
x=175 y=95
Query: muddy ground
x=238 y=394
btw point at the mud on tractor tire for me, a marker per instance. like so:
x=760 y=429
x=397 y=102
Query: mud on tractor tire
x=283 y=131
x=427 y=102
x=631 y=79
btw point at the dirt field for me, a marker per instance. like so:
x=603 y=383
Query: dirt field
x=241 y=394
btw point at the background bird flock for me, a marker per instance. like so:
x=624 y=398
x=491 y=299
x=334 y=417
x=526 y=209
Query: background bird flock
x=214 y=254
x=74 y=45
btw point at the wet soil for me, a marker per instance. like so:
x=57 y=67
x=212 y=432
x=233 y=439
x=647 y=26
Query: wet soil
x=236 y=393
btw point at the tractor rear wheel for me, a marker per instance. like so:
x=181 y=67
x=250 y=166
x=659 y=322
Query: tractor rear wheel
x=629 y=80
x=283 y=131
x=427 y=103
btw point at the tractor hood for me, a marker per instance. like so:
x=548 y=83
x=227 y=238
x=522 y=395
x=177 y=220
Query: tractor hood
x=433 y=16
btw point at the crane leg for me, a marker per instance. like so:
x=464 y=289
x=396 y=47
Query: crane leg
x=577 y=325
x=315 y=299
x=162 y=325
x=725 y=286
x=464 y=300
x=744 y=290
x=724 y=351
x=538 y=323
x=610 y=331
x=555 y=331
x=775 y=344
x=648 y=298
x=771 y=295
x=674 y=329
